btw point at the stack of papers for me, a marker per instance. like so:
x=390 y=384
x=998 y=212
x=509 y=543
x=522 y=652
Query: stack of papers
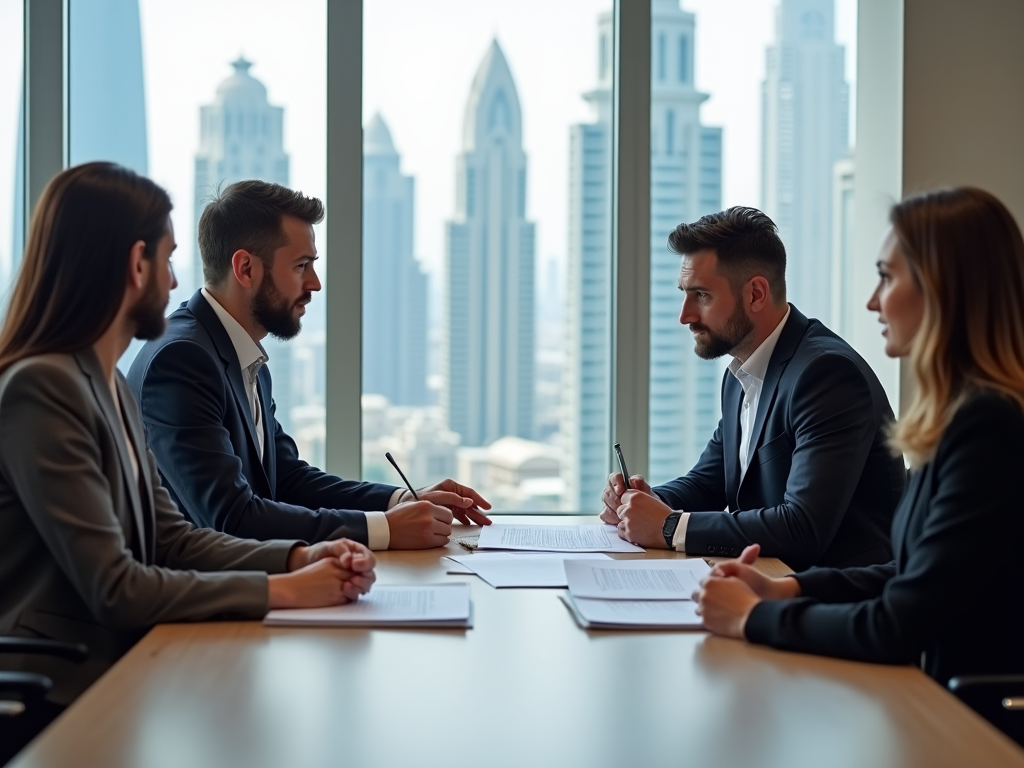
x=554 y=538
x=520 y=569
x=634 y=594
x=427 y=605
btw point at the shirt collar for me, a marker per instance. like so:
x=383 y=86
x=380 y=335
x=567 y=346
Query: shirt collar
x=756 y=365
x=247 y=350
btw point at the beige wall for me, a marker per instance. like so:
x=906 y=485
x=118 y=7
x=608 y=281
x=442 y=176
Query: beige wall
x=963 y=97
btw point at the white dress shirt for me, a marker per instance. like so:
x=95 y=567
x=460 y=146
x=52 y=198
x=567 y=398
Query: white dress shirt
x=750 y=375
x=251 y=357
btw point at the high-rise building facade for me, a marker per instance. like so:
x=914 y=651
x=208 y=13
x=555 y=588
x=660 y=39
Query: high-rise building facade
x=488 y=336
x=805 y=113
x=686 y=173
x=106 y=97
x=241 y=136
x=394 y=285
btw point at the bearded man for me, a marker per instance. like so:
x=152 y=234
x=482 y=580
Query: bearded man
x=799 y=462
x=206 y=394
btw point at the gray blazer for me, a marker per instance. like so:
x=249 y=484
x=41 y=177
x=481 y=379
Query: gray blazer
x=86 y=553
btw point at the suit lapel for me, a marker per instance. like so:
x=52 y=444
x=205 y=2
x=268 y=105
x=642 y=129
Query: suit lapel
x=732 y=400
x=137 y=435
x=90 y=366
x=203 y=312
x=789 y=339
x=904 y=514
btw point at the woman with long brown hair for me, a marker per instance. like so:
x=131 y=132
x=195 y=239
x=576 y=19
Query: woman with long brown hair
x=951 y=299
x=92 y=549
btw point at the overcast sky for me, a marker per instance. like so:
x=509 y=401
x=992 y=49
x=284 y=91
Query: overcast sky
x=420 y=58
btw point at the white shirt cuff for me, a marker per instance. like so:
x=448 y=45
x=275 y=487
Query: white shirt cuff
x=378 y=532
x=395 y=497
x=679 y=537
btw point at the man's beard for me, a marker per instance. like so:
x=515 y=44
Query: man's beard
x=737 y=328
x=148 y=312
x=274 y=314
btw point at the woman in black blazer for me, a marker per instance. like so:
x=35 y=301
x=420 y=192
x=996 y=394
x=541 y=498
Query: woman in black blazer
x=951 y=299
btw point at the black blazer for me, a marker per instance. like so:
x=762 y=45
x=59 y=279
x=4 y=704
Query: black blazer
x=821 y=485
x=956 y=588
x=197 y=418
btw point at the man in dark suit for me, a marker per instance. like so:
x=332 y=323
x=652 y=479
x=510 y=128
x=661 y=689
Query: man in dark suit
x=799 y=461
x=206 y=394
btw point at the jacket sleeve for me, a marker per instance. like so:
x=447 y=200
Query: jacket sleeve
x=51 y=458
x=833 y=430
x=184 y=396
x=974 y=500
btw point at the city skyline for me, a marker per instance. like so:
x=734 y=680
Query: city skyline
x=683 y=390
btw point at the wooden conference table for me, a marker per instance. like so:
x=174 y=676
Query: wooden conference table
x=525 y=687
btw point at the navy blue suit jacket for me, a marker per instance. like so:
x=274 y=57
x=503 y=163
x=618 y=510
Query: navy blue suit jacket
x=955 y=590
x=821 y=485
x=198 y=424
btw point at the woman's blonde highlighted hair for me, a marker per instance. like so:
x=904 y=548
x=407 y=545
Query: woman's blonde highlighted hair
x=967 y=255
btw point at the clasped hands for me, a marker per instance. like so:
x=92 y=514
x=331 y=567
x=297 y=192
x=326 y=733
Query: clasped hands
x=328 y=573
x=428 y=522
x=729 y=593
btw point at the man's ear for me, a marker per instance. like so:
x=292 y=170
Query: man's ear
x=760 y=293
x=247 y=269
x=137 y=265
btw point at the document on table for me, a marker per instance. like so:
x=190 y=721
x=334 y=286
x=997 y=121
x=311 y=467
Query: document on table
x=523 y=569
x=420 y=605
x=554 y=538
x=635 y=579
x=633 y=614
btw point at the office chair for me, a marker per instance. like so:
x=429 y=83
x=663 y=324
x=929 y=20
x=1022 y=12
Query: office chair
x=997 y=698
x=24 y=709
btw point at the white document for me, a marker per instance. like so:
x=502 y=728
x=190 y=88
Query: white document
x=554 y=538
x=426 y=605
x=633 y=614
x=635 y=579
x=523 y=569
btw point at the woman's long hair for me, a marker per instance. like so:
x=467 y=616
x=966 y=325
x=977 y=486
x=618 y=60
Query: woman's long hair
x=73 y=275
x=967 y=255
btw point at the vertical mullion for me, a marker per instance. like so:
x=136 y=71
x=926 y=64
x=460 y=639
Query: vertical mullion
x=631 y=231
x=344 y=237
x=45 y=68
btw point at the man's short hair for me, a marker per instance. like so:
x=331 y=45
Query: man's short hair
x=746 y=242
x=247 y=216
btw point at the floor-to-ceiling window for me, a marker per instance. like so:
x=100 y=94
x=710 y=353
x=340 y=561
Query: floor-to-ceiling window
x=486 y=246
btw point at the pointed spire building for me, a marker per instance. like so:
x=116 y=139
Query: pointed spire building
x=488 y=342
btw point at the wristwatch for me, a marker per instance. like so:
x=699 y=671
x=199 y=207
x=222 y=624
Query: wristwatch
x=668 y=530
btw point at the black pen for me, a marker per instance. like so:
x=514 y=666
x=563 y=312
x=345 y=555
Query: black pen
x=622 y=467
x=394 y=464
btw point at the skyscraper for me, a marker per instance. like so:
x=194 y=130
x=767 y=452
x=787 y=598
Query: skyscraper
x=686 y=173
x=394 y=285
x=106 y=96
x=488 y=339
x=805 y=103
x=241 y=136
